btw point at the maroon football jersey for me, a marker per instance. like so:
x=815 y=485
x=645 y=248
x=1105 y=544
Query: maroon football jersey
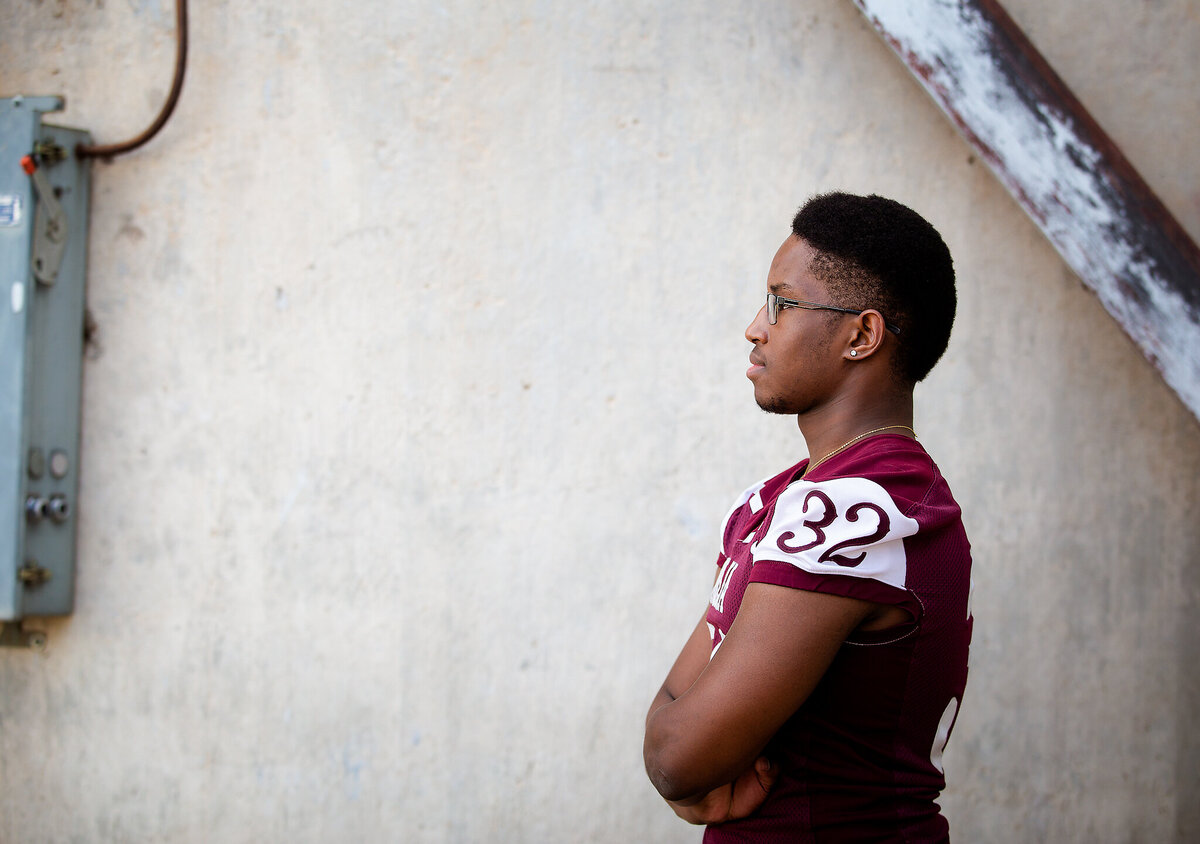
x=861 y=759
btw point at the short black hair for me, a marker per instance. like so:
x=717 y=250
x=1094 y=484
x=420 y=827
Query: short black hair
x=873 y=252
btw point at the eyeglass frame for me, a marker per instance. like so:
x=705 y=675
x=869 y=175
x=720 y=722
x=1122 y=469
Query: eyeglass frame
x=775 y=303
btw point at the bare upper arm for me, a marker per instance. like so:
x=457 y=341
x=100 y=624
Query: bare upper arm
x=775 y=653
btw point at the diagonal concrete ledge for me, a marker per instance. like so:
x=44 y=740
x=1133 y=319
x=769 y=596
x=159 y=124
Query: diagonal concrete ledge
x=1067 y=174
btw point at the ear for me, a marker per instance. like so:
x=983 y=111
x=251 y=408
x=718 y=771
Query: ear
x=866 y=336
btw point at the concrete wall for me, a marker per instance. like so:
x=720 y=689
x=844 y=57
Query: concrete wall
x=418 y=397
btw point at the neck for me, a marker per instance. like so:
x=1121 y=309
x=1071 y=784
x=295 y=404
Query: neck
x=831 y=426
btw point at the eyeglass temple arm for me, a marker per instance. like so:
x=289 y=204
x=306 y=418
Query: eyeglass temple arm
x=781 y=302
x=895 y=329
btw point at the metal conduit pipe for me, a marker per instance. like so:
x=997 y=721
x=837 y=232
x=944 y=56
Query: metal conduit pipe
x=181 y=42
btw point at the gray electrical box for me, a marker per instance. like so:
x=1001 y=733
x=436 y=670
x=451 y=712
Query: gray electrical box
x=43 y=253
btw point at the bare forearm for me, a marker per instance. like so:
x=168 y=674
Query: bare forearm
x=769 y=661
x=688 y=667
x=654 y=750
x=653 y=747
x=683 y=770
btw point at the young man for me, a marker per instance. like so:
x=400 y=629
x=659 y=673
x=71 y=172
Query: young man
x=814 y=698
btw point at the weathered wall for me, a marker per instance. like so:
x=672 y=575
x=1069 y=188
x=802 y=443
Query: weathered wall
x=418 y=397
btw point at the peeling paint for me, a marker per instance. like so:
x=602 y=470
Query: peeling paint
x=1061 y=168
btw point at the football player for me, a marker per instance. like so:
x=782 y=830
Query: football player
x=815 y=696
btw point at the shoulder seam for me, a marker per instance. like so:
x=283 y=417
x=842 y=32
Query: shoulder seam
x=935 y=475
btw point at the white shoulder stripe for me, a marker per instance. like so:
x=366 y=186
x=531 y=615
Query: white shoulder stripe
x=847 y=526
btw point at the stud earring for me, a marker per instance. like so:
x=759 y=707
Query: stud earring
x=854 y=353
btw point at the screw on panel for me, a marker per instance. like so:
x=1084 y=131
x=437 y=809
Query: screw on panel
x=58 y=509
x=31 y=574
x=13 y=636
x=49 y=152
x=35 y=508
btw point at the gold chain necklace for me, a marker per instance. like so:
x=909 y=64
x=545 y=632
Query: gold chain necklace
x=849 y=443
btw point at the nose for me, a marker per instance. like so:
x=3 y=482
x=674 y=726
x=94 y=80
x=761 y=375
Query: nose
x=756 y=331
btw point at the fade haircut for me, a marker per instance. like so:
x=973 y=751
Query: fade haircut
x=873 y=252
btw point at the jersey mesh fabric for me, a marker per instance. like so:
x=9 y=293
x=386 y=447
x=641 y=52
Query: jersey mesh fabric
x=861 y=758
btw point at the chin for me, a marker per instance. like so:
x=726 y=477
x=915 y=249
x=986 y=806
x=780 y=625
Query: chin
x=774 y=404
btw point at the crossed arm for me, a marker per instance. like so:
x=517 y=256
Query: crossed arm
x=710 y=721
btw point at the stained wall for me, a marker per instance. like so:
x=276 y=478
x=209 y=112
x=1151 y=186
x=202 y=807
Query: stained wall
x=417 y=398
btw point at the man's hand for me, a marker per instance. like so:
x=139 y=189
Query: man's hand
x=738 y=799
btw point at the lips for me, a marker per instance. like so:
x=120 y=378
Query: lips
x=756 y=365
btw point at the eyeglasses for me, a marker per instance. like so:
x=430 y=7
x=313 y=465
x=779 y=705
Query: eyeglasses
x=777 y=303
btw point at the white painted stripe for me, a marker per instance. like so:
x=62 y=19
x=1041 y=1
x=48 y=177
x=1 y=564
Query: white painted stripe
x=1052 y=170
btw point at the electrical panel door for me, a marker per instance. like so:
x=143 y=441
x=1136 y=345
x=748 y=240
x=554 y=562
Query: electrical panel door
x=43 y=252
